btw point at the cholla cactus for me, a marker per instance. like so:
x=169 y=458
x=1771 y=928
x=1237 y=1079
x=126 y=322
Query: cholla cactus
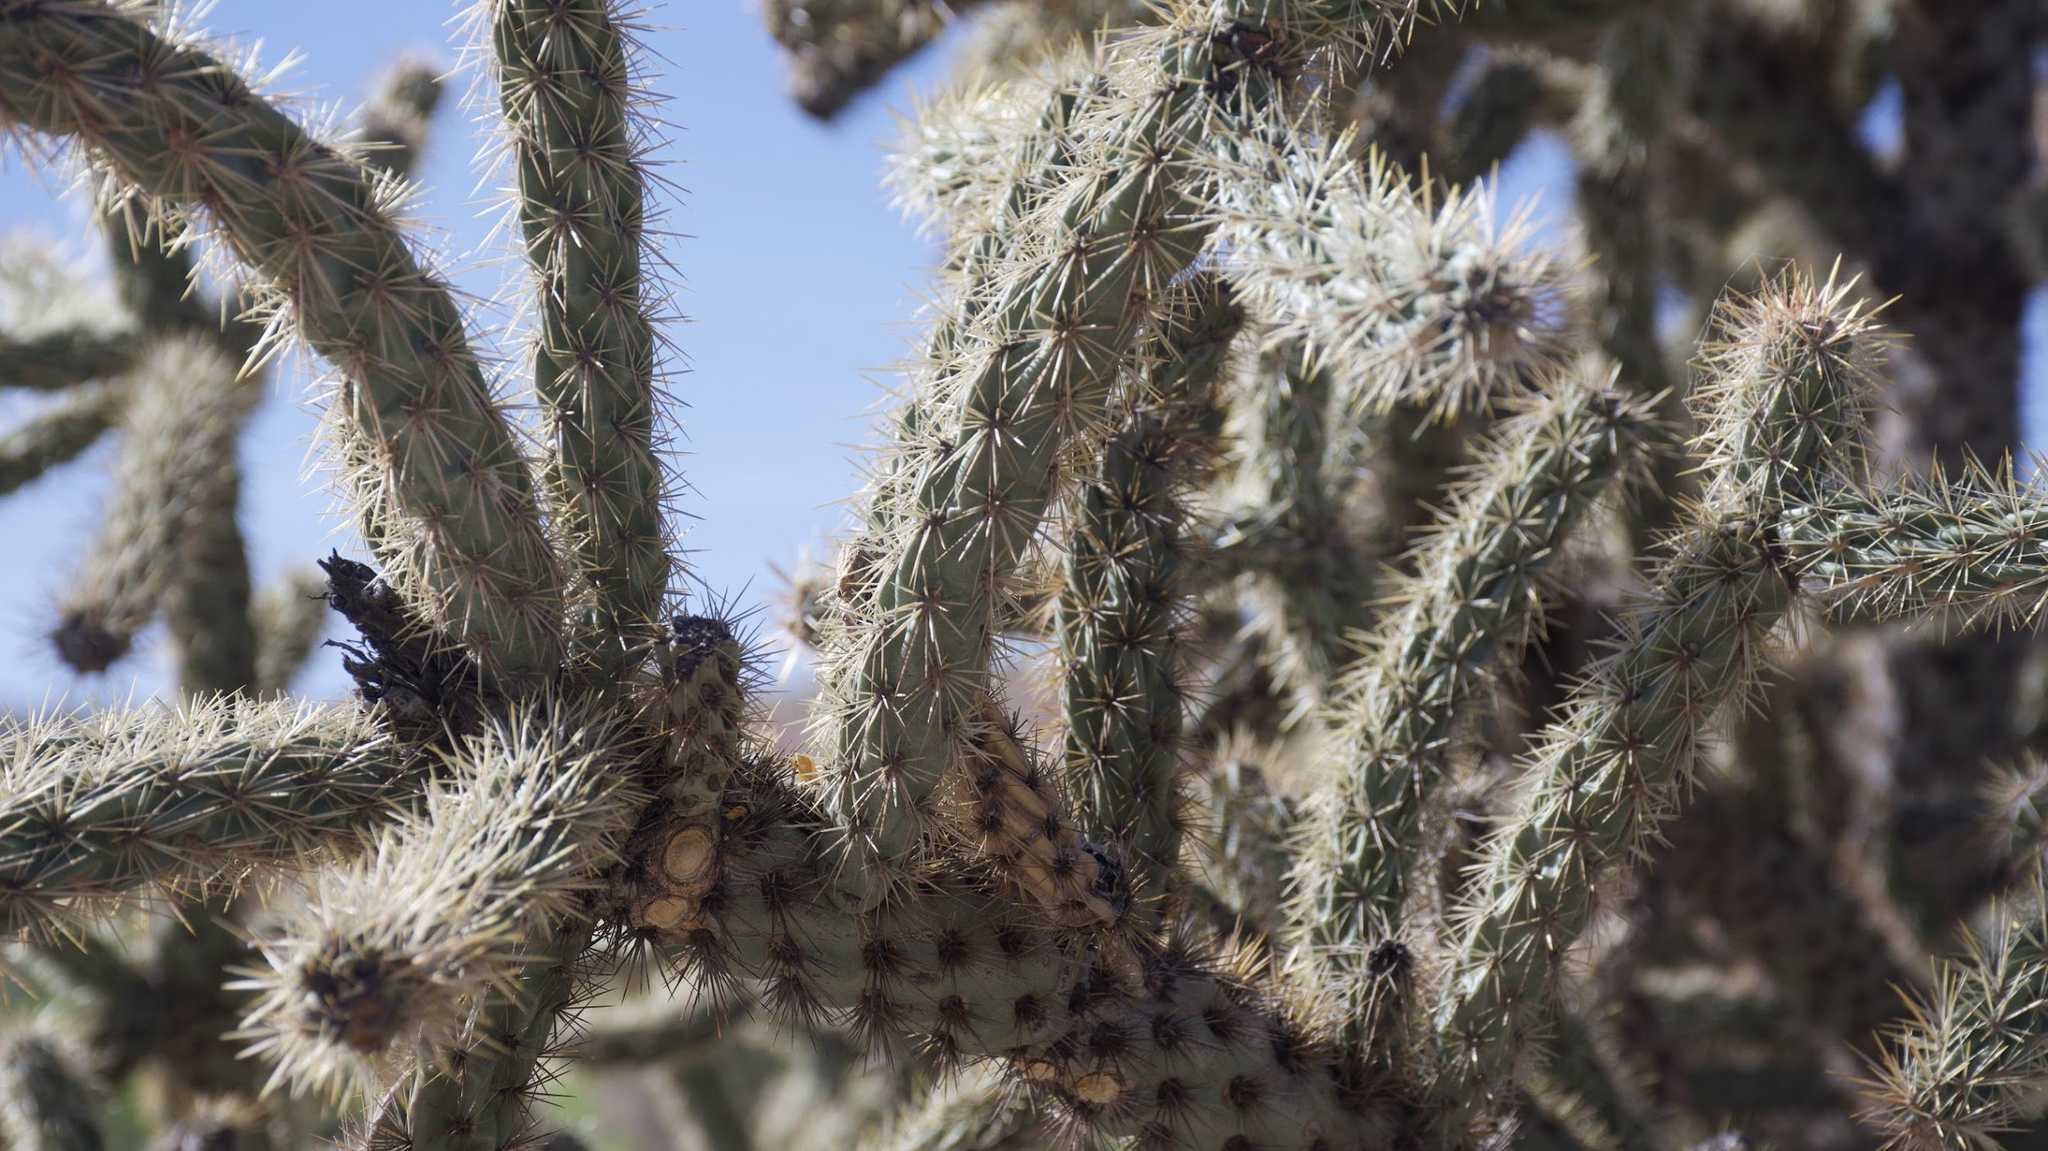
x=1285 y=455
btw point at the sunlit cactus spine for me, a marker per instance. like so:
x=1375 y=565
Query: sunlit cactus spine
x=1192 y=337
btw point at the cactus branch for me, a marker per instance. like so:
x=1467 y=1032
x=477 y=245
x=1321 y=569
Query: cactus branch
x=578 y=143
x=1475 y=591
x=93 y=809
x=180 y=125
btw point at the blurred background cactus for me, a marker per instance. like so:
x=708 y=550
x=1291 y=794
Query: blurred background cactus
x=1319 y=660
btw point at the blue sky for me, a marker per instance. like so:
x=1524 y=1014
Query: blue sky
x=801 y=285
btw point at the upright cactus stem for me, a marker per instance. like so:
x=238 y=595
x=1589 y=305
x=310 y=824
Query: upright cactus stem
x=183 y=415
x=1784 y=385
x=1064 y=311
x=468 y=535
x=1120 y=613
x=1475 y=591
x=577 y=138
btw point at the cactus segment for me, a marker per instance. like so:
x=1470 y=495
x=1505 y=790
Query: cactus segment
x=1475 y=591
x=180 y=126
x=578 y=141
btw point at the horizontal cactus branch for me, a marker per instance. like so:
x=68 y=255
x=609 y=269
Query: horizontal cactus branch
x=1474 y=592
x=442 y=912
x=177 y=124
x=93 y=809
x=577 y=137
x=58 y=434
x=53 y=361
x=1188 y=1056
x=1414 y=304
x=1970 y=550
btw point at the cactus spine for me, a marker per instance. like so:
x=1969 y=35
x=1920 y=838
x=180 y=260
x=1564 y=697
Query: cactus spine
x=1474 y=591
x=178 y=124
x=566 y=84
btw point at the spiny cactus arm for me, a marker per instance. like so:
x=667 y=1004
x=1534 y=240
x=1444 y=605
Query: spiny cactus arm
x=1961 y=1069
x=1121 y=610
x=578 y=137
x=1474 y=591
x=57 y=435
x=1784 y=386
x=1183 y=1055
x=840 y=48
x=290 y=616
x=1412 y=303
x=1602 y=778
x=1640 y=81
x=183 y=414
x=452 y=904
x=393 y=124
x=56 y=360
x=1311 y=575
x=206 y=601
x=45 y=1105
x=92 y=809
x=1972 y=549
x=179 y=125
x=484 y=1099
x=1065 y=308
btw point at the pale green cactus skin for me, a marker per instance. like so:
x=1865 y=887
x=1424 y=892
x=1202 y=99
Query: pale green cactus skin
x=326 y=244
x=94 y=811
x=57 y=436
x=566 y=86
x=553 y=788
x=1474 y=592
x=1119 y=614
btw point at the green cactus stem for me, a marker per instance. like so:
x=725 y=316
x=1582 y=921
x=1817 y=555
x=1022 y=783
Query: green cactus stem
x=1069 y=306
x=578 y=141
x=290 y=616
x=1121 y=609
x=91 y=810
x=56 y=360
x=444 y=911
x=1784 y=384
x=173 y=121
x=1961 y=1070
x=1971 y=549
x=839 y=48
x=185 y=408
x=58 y=434
x=1474 y=591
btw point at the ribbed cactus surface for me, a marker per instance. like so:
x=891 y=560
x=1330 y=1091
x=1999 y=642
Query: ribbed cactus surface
x=1307 y=670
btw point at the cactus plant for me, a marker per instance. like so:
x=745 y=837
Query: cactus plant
x=1277 y=455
